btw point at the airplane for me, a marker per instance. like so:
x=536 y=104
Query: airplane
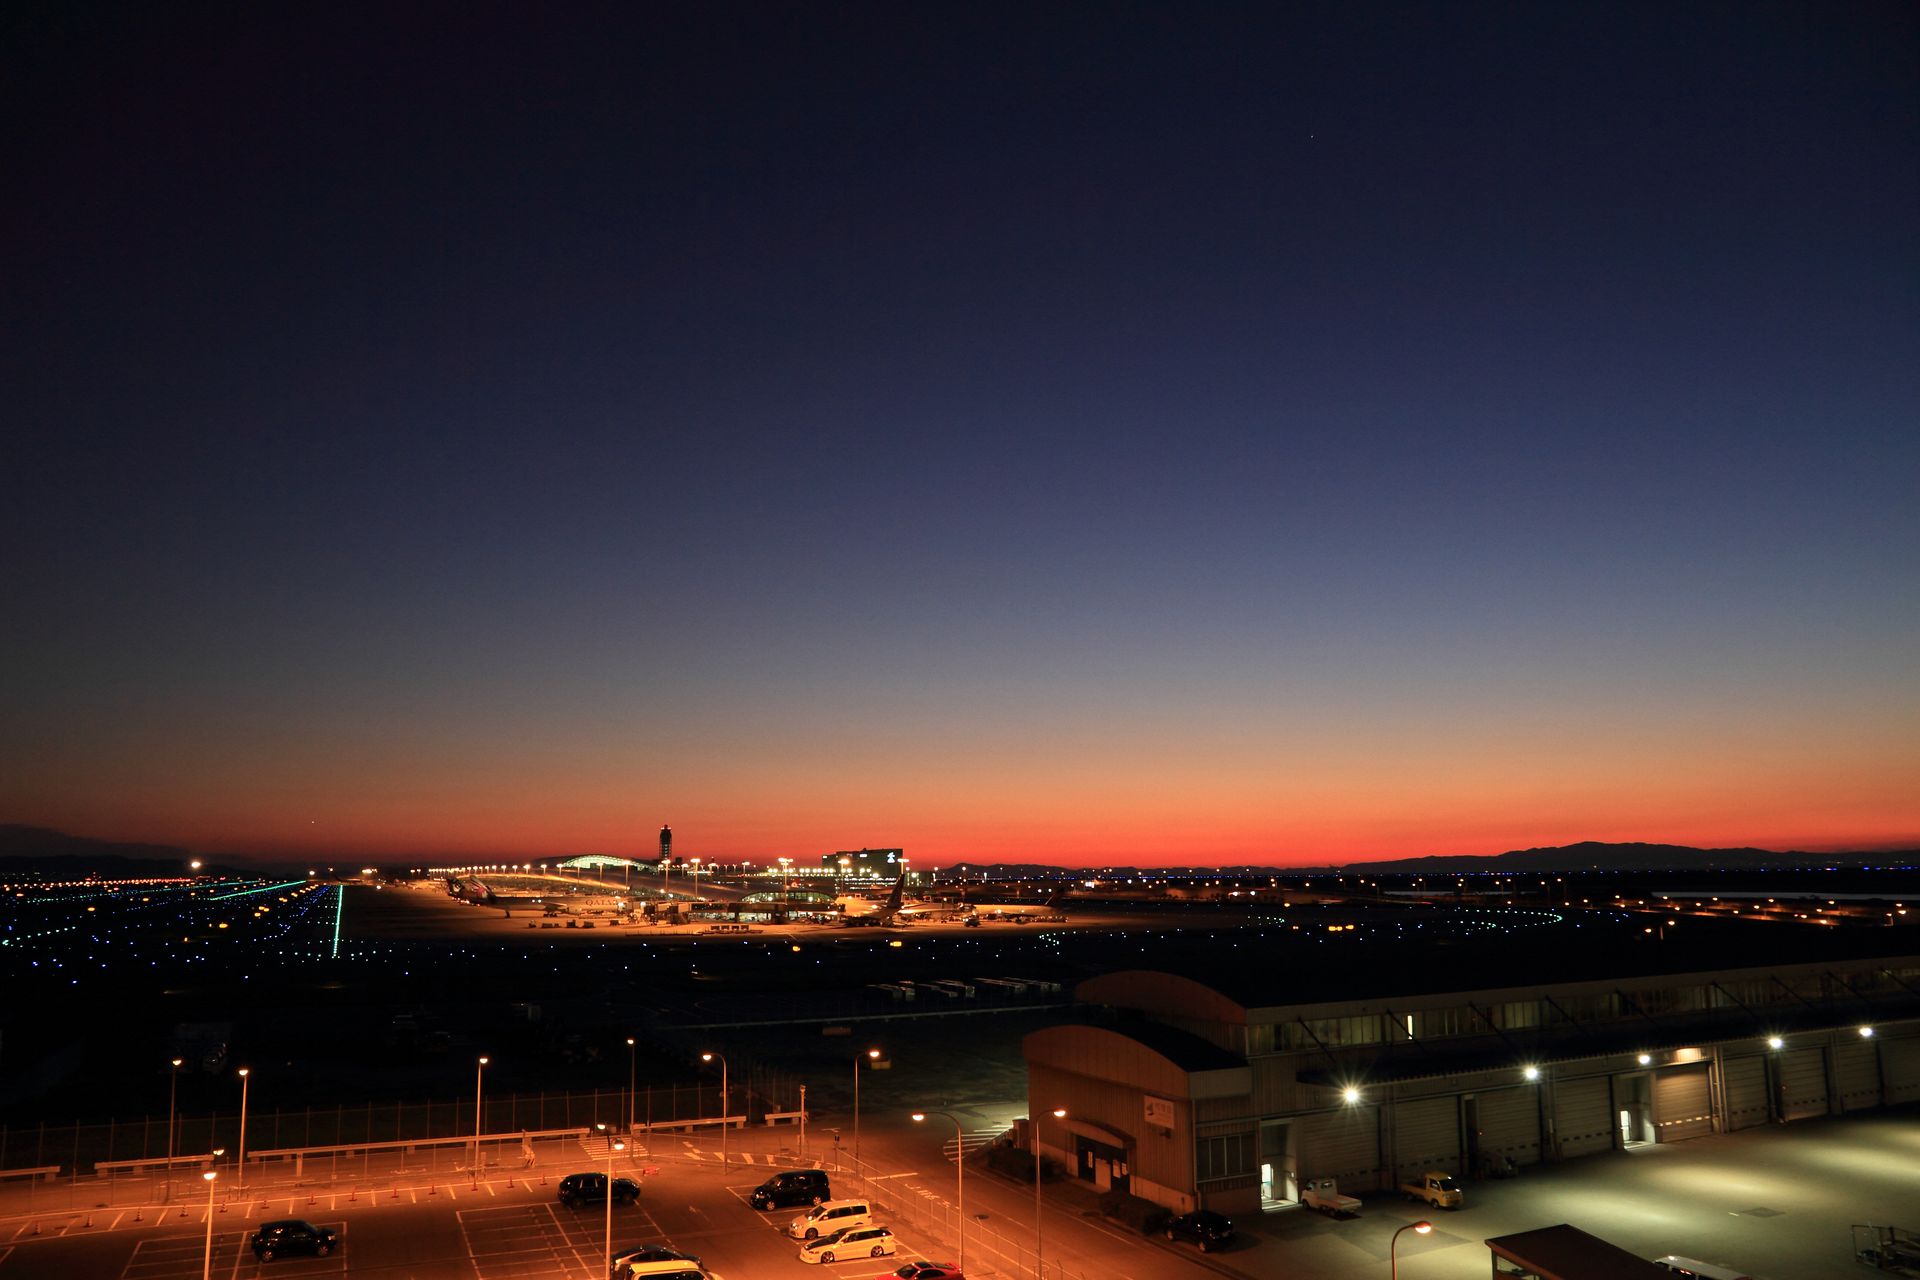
x=865 y=911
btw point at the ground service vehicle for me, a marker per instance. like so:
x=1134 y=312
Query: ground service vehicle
x=849 y=1242
x=794 y=1186
x=1324 y=1195
x=1436 y=1188
x=1204 y=1227
x=293 y=1235
x=577 y=1189
x=829 y=1217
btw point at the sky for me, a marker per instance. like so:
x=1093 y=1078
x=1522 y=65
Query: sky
x=1080 y=433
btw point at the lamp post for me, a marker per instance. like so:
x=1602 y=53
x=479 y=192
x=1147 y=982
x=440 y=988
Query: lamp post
x=477 y=1072
x=872 y=1055
x=709 y=1057
x=1393 y=1256
x=1039 y=1267
x=959 y=1177
x=206 y=1268
x=613 y=1144
x=240 y=1168
x=630 y=1078
x=784 y=864
x=173 y=1092
x=696 y=879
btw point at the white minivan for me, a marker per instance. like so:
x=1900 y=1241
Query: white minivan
x=1698 y=1270
x=825 y=1219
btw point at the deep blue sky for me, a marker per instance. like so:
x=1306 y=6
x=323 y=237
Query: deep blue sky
x=1253 y=433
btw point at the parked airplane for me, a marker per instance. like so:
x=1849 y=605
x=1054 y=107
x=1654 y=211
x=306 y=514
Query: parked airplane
x=865 y=911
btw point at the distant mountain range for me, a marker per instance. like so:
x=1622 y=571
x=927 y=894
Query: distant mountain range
x=1588 y=855
x=38 y=849
x=57 y=853
x=1595 y=855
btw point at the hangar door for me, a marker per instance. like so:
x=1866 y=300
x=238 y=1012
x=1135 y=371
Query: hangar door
x=1583 y=1115
x=1509 y=1121
x=1856 y=1074
x=1342 y=1144
x=1900 y=1065
x=1746 y=1083
x=1426 y=1135
x=1803 y=1083
x=1682 y=1103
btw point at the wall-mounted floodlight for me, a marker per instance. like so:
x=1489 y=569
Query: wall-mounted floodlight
x=1775 y=1042
x=1531 y=1073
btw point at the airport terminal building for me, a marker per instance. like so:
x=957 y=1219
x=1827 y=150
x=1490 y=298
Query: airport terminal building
x=1204 y=1094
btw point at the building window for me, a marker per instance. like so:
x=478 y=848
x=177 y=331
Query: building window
x=1224 y=1157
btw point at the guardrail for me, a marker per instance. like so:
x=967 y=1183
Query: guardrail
x=698 y=1122
x=47 y=1171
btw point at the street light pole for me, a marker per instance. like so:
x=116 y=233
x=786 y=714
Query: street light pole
x=709 y=1057
x=476 y=1112
x=1039 y=1267
x=613 y=1144
x=959 y=1177
x=206 y=1268
x=1393 y=1247
x=872 y=1055
x=240 y=1168
x=630 y=1084
x=173 y=1092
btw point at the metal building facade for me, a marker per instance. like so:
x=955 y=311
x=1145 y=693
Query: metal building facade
x=1203 y=1101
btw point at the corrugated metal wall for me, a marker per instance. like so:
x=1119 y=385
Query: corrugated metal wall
x=1583 y=1115
x=1342 y=1144
x=1426 y=1135
x=1803 y=1083
x=1856 y=1074
x=1682 y=1103
x=1510 y=1124
x=1745 y=1082
x=1900 y=1069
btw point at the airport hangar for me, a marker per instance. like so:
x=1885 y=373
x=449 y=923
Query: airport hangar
x=1188 y=1096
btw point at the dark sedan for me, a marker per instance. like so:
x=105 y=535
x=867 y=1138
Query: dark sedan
x=577 y=1189
x=293 y=1235
x=1206 y=1228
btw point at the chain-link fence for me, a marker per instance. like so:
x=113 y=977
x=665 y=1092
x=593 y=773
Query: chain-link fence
x=78 y=1147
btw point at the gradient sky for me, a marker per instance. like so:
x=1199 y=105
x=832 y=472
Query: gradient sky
x=1083 y=433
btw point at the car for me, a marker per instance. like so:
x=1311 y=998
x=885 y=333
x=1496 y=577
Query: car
x=829 y=1217
x=924 y=1271
x=577 y=1189
x=850 y=1242
x=293 y=1235
x=1204 y=1227
x=621 y=1264
x=665 y=1269
x=793 y=1186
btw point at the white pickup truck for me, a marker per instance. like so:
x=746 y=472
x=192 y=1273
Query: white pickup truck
x=1322 y=1194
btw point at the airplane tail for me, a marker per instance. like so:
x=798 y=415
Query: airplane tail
x=893 y=899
